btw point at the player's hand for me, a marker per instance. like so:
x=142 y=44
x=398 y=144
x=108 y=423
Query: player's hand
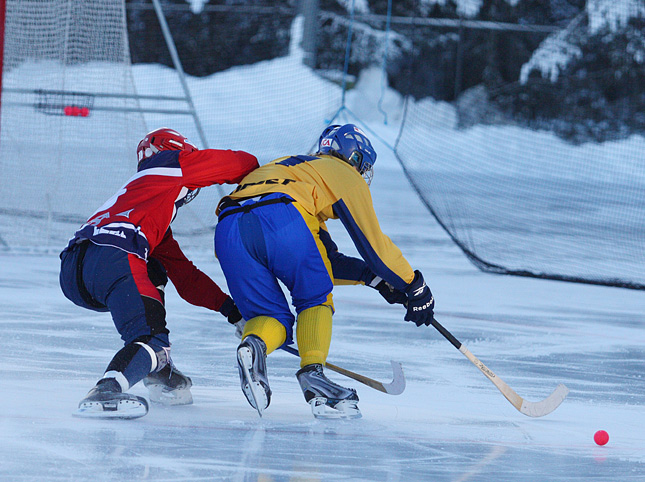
x=387 y=291
x=239 y=328
x=230 y=310
x=420 y=301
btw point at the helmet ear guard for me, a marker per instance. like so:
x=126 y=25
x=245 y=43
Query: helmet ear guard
x=355 y=159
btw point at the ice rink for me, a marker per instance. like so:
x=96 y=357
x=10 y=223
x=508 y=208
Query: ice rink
x=450 y=424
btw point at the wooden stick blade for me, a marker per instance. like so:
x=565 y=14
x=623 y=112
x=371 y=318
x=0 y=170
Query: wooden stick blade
x=532 y=409
x=546 y=406
x=395 y=387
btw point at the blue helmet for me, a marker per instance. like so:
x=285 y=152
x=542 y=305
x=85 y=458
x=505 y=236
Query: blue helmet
x=350 y=144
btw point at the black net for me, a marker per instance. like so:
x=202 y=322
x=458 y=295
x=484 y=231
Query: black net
x=544 y=176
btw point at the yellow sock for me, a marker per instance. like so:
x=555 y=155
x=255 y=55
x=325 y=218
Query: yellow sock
x=313 y=332
x=269 y=330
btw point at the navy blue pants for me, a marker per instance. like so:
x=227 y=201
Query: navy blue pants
x=103 y=278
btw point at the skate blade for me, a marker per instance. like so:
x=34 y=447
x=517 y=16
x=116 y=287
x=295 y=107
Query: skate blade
x=253 y=391
x=124 y=409
x=345 y=409
x=179 y=396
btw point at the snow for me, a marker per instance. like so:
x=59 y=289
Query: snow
x=551 y=57
x=556 y=51
x=359 y=6
x=450 y=424
x=612 y=14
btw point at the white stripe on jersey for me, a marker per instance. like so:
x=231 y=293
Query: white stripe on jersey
x=127 y=226
x=158 y=171
x=155 y=171
x=122 y=225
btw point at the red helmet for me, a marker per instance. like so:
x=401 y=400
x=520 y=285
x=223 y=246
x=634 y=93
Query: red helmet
x=162 y=139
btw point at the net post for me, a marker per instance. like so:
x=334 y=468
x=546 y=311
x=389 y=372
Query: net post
x=310 y=10
x=180 y=72
x=3 y=7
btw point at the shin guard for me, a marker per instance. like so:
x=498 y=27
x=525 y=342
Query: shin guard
x=313 y=332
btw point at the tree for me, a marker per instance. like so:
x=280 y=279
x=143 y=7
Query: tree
x=584 y=83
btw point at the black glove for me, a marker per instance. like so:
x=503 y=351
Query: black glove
x=420 y=301
x=387 y=291
x=230 y=311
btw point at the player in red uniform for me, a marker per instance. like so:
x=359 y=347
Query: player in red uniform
x=120 y=261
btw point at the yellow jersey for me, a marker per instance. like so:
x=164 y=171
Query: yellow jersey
x=328 y=188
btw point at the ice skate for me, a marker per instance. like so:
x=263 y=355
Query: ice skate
x=169 y=386
x=106 y=400
x=327 y=399
x=251 y=363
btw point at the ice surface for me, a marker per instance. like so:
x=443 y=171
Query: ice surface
x=450 y=424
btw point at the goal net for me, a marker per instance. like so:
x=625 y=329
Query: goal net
x=544 y=177
x=74 y=106
x=69 y=120
x=527 y=203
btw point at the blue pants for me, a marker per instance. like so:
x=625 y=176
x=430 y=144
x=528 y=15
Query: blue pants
x=270 y=243
x=103 y=278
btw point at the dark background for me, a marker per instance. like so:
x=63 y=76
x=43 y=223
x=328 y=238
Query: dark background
x=598 y=96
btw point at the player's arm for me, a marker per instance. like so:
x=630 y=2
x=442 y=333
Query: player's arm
x=350 y=271
x=346 y=269
x=384 y=258
x=215 y=166
x=192 y=284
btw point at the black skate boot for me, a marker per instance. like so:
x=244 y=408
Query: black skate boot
x=169 y=386
x=327 y=399
x=106 y=400
x=251 y=364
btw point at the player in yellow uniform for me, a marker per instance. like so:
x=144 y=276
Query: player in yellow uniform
x=272 y=227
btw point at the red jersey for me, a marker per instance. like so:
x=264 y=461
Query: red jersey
x=137 y=217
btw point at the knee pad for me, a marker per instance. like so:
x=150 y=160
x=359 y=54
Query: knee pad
x=155 y=313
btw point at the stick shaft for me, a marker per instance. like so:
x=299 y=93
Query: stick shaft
x=501 y=385
x=358 y=377
x=447 y=335
x=532 y=409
